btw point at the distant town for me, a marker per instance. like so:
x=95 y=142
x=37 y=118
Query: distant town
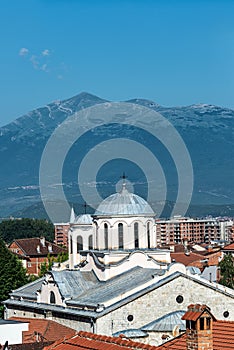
x=121 y=278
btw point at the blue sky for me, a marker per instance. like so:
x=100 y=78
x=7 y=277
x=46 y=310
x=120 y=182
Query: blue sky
x=172 y=52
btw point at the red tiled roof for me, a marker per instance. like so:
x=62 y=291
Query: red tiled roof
x=29 y=247
x=47 y=330
x=186 y=259
x=223 y=338
x=229 y=247
x=85 y=340
x=195 y=311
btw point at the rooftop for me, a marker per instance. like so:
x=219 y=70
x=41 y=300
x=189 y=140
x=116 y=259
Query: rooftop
x=37 y=247
x=85 y=340
x=167 y=322
x=223 y=338
x=124 y=203
x=43 y=329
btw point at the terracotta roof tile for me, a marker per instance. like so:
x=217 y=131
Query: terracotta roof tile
x=29 y=247
x=85 y=340
x=48 y=330
x=186 y=259
x=223 y=338
x=229 y=247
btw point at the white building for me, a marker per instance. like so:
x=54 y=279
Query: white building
x=117 y=280
x=122 y=221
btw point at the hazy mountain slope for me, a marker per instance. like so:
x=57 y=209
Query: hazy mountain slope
x=208 y=132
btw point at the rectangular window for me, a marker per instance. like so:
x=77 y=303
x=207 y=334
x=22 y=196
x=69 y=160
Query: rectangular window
x=202 y=324
x=208 y=321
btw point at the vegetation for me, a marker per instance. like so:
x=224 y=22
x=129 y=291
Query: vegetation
x=26 y=228
x=227 y=271
x=12 y=273
x=46 y=266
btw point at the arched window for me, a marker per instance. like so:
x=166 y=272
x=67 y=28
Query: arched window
x=79 y=243
x=136 y=234
x=105 y=236
x=120 y=235
x=90 y=242
x=148 y=234
x=52 y=298
x=71 y=247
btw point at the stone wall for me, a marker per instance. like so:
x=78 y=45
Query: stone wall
x=161 y=301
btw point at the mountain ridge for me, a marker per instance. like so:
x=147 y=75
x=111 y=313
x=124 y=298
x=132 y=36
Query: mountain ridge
x=207 y=130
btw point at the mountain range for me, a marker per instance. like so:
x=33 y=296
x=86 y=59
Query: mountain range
x=207 y=130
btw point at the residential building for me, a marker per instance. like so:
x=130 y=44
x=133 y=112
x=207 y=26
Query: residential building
x=61 y=233
x=35 y=251
x=11 y=331
x=178 y=229
x=117 y=280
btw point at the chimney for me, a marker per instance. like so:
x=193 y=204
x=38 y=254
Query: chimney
x=50 y=248
x=199 y=326
x=42 y=241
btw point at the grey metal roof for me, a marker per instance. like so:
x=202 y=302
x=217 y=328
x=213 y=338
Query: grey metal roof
x=95 y=314
x=193 y=270
x=167 y=322
x=4 y=322
x=131 y=333
x=84 y=219
x=29 y=290
x=210 y=273
x=116 y=286
x=124 y=203
x=73 y=283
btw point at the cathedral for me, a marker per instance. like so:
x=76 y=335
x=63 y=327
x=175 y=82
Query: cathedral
x=116 y=281
x=123 y=221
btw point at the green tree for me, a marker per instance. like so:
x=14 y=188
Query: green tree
x=62 y=257
x=46 y=265
x=26 y=228
x=12 y=273
x=227 y=271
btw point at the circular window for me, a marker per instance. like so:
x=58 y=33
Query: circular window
x=130 y=318
x=225 y=314
x=179 y=299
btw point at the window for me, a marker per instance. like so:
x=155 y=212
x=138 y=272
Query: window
x=190 y=324
x=120 y=235
x=52 y=298
x=208 y=322
x=106 y=236
x=79 y=243
x=179 y=299
x=29 y=264
x=136 y=234
x=225 y=314
x=90 y=242
x=202 y=323
x=148 y=234
x=130 y=318
x=71 y=247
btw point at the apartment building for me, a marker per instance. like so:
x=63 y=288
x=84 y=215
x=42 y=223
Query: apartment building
x=178 y=229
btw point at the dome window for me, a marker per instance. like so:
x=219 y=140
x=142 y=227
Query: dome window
x=120 y=235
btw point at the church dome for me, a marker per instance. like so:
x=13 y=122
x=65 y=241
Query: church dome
x=124 y=203
x=84 y=219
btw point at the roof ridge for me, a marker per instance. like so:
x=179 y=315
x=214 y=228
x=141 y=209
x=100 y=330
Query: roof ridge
x=115 y=340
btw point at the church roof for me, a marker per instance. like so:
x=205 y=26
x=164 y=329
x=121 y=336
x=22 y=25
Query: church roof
x=124 y=203
x=84 y=219
x=103 y=297
x=167 y=322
